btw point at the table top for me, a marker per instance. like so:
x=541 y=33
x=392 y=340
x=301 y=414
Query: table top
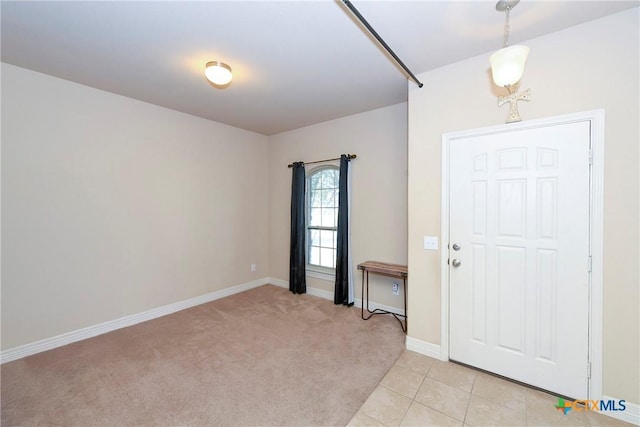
x=395 y=270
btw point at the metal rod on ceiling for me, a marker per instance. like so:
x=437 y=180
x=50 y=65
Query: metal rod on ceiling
x=373 y=32
x=349 y=156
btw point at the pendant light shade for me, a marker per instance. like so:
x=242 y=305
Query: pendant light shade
x=218 y=73
x=507 y=65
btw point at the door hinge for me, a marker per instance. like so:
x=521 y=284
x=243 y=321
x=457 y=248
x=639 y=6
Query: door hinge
x=590 y=264
x=588 y=370
x=590 y=157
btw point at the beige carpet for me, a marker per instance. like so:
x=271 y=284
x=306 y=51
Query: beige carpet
x=264 y=357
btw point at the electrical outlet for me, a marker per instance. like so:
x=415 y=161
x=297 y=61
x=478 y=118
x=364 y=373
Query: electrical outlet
x=253 y=268
x=395 y=288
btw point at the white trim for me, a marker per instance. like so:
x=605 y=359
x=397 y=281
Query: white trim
x=102 y=328
x=596 y=320
x=329 y=296
x=373 y=305
x=310 y=291
x=631 y=414
x=423 y=347
x=322 y=275
x=278 y=282
x=320 y=293
x=444 y=253
x=597 y=120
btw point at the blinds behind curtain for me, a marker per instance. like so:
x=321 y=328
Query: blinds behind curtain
x=343 y=292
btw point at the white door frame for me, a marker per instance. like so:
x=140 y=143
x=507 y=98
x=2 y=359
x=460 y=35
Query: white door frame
x=596 y=119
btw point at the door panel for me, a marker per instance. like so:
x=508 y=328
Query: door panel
x=519 y=209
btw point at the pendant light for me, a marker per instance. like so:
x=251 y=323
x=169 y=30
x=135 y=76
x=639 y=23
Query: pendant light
x=507 y=66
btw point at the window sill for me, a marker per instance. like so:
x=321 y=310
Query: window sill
x=322 y=274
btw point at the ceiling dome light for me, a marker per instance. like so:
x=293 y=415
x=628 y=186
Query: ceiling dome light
x=218 y=73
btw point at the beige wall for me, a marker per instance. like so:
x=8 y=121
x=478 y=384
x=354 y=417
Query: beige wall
x=379 y=190
x=111 y=206
x=594 y=65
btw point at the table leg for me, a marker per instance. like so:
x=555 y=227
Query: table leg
x=362 y=295
x=365 y=302
x=406 y=318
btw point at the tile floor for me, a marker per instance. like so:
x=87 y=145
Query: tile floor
x=421 y=391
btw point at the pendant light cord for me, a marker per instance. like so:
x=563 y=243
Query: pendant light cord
x=506 y=27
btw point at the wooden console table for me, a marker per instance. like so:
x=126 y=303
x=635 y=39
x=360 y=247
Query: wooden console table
x=385 y=269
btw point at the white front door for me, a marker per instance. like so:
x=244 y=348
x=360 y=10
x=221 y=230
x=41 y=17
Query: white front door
x=519 y=270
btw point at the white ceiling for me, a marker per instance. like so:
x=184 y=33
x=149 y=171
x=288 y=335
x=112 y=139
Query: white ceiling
x=295 y=63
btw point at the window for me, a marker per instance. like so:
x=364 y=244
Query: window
x=322 y=217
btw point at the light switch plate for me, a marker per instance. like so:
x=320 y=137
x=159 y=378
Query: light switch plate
x=431 y=242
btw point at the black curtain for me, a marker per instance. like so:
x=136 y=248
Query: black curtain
x=341 y=291
x=297 y=259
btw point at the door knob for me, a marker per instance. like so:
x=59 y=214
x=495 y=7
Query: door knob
x=456 y=263
x=456 y=246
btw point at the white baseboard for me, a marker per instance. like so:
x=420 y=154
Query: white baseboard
x=423 y=347
x=375 y=305
x=329 y=295
x=102 y=328
x=310 y=291
x=278 y=282
x=631 y=414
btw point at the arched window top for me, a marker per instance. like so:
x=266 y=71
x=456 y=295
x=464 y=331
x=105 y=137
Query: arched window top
x=324 y=178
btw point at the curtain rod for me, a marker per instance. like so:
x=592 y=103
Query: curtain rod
x=349 y=156
x=373 y=32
